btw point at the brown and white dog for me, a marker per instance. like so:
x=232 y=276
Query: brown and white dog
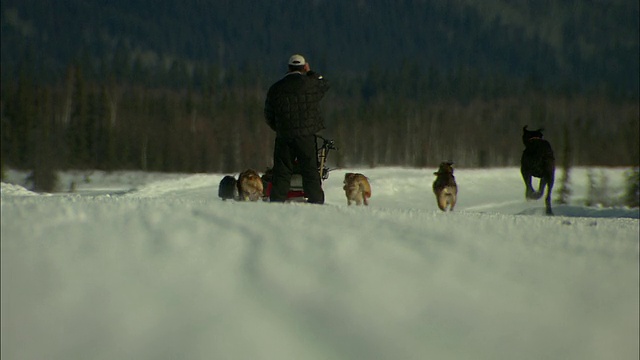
x=445 y=187
x=250 y=186
x=357 y=188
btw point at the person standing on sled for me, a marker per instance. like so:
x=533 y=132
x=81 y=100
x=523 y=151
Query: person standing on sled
x=292 y=111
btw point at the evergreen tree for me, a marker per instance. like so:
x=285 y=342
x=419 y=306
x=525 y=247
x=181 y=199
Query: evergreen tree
x=3 y=170
x=599 y=193
x=632 y=191
x=564 y=192
x=44 y=159
x=592 y=189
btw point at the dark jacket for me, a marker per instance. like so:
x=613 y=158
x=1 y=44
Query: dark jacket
x=292 y=105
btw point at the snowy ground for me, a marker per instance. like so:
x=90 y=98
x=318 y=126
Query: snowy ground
x=155 y=266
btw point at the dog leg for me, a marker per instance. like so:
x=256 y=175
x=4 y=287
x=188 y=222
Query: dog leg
x=547 y=200
x=453 y=202
x=450 y=202
x=547 y=204
x=531 y=194
x=541 y=186
x=442 y=202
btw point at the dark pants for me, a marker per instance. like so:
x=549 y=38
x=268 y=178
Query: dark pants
x=303 y=150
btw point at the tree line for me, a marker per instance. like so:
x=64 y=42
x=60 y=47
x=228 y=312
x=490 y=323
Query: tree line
x=214 y=122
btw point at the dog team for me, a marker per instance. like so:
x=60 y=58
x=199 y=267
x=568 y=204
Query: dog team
x=537 y=161
x=356 y=187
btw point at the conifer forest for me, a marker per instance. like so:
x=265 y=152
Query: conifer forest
x=179 y=86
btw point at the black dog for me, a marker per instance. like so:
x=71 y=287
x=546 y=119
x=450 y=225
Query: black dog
x=537 y=161
x=228 y=188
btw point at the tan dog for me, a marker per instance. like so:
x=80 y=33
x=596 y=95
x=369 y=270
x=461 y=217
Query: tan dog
x=356 y=188
x=250 y=186
x=445 y=187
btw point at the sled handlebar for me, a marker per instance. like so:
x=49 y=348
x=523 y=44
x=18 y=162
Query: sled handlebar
x=327 y=144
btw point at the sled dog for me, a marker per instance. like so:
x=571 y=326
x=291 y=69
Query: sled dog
x=228 y=188
x=250 y=186
x=356 y=188
x=445 y=187
x=537 y=161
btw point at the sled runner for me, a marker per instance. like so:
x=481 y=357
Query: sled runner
x=228 y=189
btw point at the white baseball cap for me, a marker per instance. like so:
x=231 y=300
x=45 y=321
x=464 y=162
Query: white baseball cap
x=296 y=60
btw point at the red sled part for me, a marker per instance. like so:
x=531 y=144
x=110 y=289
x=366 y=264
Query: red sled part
x=292 y=194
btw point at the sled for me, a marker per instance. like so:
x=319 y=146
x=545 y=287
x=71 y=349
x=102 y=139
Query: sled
x=227 y=190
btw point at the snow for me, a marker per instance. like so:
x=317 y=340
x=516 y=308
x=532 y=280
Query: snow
x=138 y=265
